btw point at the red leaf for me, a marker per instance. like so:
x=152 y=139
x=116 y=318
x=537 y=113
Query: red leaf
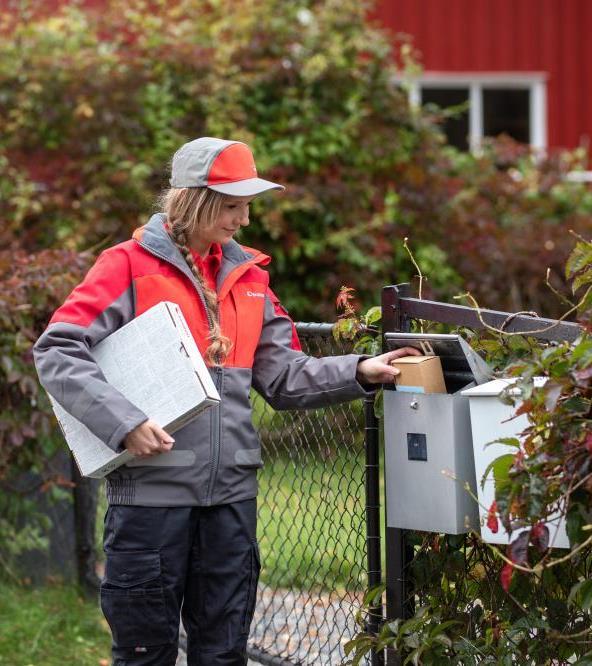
x=492 y=522
x=539 y=537
x=506 y=576
x=518 y=463
x=518 y=549
x=588 y=442
x=344 y=297
x=524 y=408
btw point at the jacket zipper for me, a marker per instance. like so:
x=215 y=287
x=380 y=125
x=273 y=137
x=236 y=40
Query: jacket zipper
x=217 y=416
x=215 y=437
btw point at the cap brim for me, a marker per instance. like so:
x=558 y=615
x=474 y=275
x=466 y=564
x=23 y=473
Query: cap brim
x=246 y=188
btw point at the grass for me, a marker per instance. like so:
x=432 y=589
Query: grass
x=311 y=522
x=51 y=626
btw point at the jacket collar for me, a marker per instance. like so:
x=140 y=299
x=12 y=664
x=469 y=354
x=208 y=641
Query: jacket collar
x=236 y=259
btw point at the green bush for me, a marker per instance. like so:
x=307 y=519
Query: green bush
x=526 y=603
x=96 y=101
x=96 y=105
x=31 y=287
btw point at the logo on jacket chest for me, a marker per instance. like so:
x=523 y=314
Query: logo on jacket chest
x=255 y=294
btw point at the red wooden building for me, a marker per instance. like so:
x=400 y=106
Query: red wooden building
x=524 y=66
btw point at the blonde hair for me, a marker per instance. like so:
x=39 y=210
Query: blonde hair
x=186 y=209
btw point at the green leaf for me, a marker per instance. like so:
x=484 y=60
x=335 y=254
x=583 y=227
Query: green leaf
x=443 y=639
x=374 y=595
x=581 y=595
x=574 y=523
x=583 y=279
x=501 y=471
x=514 y=442
x=580 y=258
x=373 y=315
x=582 y=350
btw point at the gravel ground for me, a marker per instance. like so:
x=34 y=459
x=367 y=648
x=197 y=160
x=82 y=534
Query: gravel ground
x=306 y=628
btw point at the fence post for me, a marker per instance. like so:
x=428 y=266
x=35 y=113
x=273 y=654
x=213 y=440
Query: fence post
x=85 y=494
x=375 y=614
x=399 y=603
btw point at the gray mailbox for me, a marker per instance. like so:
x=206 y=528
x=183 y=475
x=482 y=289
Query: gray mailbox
x=428 y=440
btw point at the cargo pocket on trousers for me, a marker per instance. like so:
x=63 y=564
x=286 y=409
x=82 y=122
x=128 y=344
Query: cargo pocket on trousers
x=255 y=568
x=132 y=599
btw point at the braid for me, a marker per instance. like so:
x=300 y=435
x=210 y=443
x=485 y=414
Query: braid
x=220 y=345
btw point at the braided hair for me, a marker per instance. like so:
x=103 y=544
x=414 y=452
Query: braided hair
x=187 y=208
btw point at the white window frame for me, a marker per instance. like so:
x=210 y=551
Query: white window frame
x=535 y=82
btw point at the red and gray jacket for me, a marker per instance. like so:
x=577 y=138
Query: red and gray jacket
x=131 y=277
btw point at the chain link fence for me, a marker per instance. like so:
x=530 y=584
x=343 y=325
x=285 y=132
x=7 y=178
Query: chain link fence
x=312 y=527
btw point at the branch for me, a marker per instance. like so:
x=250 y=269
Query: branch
x=419 y=275
x=557 y=636
x=500 y=331
x=557 y=293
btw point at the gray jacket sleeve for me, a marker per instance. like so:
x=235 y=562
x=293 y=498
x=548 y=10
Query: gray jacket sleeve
x=102 y=303
x=289 y=379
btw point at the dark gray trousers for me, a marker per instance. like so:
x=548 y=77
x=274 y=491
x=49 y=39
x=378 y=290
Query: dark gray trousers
x=198 y=562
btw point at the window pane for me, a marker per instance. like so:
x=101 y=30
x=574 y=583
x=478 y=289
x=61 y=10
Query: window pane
x=507 y=111
x=457 y=128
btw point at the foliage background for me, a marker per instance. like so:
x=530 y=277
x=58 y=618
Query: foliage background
x=94 y=103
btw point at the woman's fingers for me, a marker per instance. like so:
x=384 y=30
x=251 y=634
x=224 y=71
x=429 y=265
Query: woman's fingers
x=148 y=439
x=161 y=435
x=393 y=355
x=378 y=370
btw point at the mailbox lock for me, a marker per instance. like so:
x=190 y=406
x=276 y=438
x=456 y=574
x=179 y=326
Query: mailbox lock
x=414 y=404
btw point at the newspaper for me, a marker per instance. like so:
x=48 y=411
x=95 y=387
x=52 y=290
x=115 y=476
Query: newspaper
x=154 y=362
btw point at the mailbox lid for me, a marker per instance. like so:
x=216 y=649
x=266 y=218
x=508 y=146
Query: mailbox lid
x=496 y=386
x=461 y=365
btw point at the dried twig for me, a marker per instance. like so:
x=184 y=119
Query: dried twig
x=500 y=331
x=419 y=275
x=557 y=293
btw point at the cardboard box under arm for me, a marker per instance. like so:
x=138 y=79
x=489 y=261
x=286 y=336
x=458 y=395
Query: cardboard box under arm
x=154 y=362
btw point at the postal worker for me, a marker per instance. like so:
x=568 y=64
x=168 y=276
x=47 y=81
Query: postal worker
x=180 y=530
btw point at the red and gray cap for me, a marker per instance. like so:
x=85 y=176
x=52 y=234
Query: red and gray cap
x=224 y=166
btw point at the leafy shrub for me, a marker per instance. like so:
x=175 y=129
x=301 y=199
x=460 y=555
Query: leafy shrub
x=477 y=604
x=510 y=219
x=97 y=102
x=31 y=287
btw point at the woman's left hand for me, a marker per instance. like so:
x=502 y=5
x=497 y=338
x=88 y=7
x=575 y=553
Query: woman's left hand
x=378 y=370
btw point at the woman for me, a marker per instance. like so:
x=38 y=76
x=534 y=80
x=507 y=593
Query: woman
x=181 y=538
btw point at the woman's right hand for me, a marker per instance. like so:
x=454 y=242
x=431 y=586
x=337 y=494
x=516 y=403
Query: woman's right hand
x=148 y=439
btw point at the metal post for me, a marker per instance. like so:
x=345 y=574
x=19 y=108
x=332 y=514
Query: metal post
x=373 y=521
x=85 y=493
x=398 y=553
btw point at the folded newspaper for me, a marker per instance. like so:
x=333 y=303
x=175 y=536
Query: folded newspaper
x=154 y=362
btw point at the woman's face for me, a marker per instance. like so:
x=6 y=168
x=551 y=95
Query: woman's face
x=233 y=216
